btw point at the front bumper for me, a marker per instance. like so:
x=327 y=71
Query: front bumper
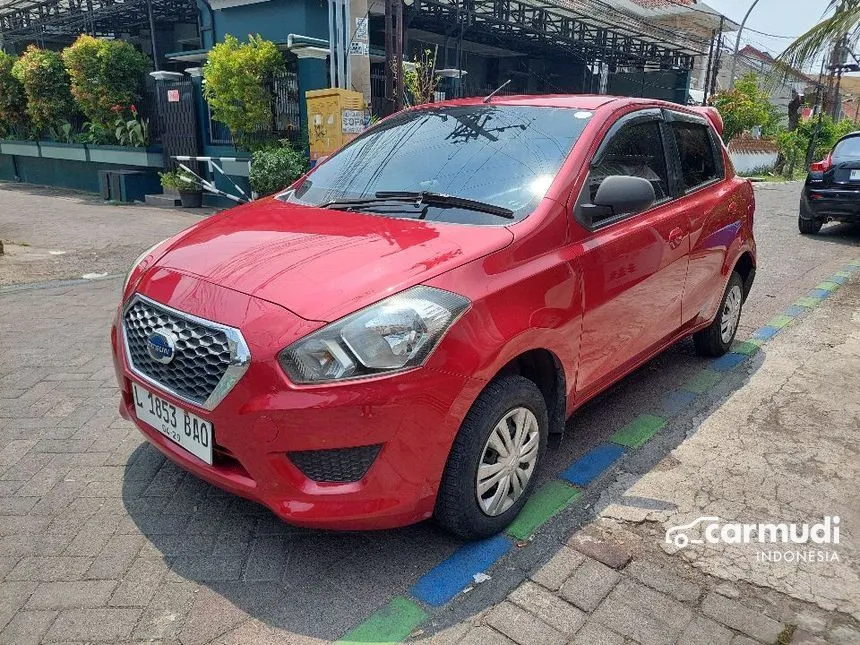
x=407 y=423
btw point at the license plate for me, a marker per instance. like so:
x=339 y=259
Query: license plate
x=186 y=429
x=855 y=175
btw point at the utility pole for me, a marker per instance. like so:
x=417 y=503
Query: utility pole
x=717 y=58
x=738 y=45
x=394 y=55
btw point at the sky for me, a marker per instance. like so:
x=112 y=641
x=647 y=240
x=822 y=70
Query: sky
x=777 y=17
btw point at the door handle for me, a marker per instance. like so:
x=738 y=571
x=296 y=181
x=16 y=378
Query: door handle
x=676 y=236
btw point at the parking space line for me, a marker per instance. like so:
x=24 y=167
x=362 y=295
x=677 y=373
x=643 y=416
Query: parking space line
x=544 y=503
x=391 y=624
x=450 y=577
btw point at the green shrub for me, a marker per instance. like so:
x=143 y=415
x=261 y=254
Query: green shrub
x=106 y=77
x=234 y=84
x=744 y=107
x=12 y=102
x=178 y=180
x=275 y=168
x=46 y=87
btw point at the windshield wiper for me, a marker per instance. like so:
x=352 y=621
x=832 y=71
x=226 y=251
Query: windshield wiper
x=419 y=198
x=443 y=200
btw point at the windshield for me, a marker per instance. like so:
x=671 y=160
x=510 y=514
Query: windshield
x=847 y=149
x=502 y=155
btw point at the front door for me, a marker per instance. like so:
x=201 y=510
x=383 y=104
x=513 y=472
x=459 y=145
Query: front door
x=634 y=267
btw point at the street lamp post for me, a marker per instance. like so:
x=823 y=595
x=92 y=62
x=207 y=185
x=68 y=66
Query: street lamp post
x=738 y=44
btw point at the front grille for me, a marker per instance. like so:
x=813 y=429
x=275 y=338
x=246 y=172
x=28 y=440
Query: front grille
x=341 y=465
x=202 y=354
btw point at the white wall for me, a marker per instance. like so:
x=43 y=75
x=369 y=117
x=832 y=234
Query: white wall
x=746 y=162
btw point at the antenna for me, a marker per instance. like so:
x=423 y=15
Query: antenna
x=496 y=91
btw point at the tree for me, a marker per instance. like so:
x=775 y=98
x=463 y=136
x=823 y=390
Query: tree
x=824 y=36
x=104 y=74
x=421 y=79
x=744 y=107
x=235 y=84
x=46 y=87
x=793 y=145
x=12 y=102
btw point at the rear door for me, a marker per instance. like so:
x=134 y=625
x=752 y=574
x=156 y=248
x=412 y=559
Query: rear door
x=634 y=265
x=714 y=212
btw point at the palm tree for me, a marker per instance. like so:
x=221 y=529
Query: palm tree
x=823 y=37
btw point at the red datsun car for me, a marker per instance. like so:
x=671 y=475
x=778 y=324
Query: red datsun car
x=394 y=337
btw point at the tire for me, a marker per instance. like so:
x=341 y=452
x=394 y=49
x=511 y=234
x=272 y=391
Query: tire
x=712 y=341
x=808 y=226
x=458 y=508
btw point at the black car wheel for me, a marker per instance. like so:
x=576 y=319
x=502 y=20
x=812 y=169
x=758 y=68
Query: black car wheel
x=491 y=469
x=808 y=226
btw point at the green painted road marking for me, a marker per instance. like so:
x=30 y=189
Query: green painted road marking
x=638 y=431
x=844 y=274
x=747 y=348
x=542 y=505
x=779 y=321
x=807 y=302
x=702 y=381
x=391 y=624
x=827 y=286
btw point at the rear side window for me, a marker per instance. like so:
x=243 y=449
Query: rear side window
x=847 y=149
x=697 y=155
x=635 y=150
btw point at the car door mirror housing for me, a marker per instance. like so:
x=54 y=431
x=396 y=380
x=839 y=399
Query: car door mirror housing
x=619 y=195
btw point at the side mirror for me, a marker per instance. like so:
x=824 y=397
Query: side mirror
x=619 y=195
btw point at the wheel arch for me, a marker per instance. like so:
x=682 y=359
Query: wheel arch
x=544 y=369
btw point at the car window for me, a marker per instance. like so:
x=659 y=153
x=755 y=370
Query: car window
x=696 y=153
x=635 y=150
x=847 y=149
x=505 y=155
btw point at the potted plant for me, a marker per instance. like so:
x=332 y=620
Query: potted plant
x=185 y=184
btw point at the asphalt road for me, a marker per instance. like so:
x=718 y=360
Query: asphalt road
x=135 y=518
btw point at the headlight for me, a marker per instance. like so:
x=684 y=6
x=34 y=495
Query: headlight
x=136 y=262
x=395 y=334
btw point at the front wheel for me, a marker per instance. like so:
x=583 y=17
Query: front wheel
x=716 y=339
x=491 y=469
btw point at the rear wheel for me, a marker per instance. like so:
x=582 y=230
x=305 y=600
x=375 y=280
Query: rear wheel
x=491 y=469
x=716 y=339
x=809 y=226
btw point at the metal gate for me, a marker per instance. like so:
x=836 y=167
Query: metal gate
x=177 y=120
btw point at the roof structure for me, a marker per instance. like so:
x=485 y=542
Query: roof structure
x=41 y=20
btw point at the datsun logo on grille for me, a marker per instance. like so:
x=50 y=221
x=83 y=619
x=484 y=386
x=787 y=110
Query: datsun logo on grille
x=161 y=345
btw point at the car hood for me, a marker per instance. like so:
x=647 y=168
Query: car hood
x=324 y=264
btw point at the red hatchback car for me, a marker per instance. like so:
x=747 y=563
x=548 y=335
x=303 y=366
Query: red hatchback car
x=395 y=336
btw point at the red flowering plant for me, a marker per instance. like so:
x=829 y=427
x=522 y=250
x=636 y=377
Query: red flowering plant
x=131 y=130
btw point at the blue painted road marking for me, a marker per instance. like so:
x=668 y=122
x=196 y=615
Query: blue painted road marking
x=585 y=469
x=452 y=575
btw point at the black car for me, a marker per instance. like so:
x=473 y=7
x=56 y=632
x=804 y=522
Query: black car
x=832 y=190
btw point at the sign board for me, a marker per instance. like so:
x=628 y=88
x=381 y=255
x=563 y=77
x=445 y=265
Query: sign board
x=352 y=121
x=173 y=96
x=357 y=48
x=360 y=29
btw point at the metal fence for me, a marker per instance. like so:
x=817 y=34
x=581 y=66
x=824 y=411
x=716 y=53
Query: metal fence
x=285 y=122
